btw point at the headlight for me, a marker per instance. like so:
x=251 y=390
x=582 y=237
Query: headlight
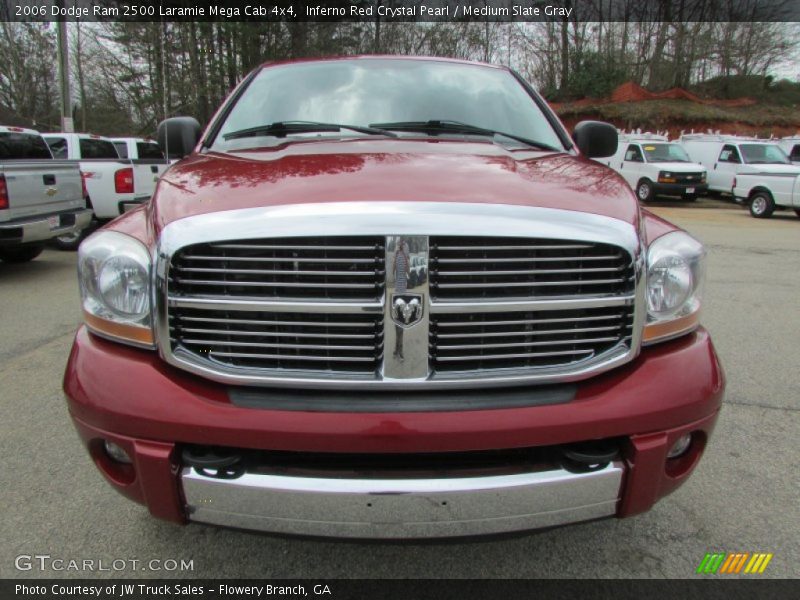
x=666 y=177
x=114 y=275
x=675 y=274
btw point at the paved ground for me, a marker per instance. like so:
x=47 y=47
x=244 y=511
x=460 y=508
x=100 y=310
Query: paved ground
x=743 y=497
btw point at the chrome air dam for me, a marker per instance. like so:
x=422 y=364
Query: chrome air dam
x=401 y=328
x=402 y=508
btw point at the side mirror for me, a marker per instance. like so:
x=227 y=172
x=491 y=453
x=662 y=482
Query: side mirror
x=178 y=136
x=595 y=139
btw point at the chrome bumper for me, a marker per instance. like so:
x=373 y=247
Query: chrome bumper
x=40 y=229
x=402 y=508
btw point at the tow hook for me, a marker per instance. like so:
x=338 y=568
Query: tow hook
x=588 y=457
x=212 y=462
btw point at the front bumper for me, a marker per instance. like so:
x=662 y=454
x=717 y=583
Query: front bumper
x=679 y=189
x=39 y=229
x=641 y=405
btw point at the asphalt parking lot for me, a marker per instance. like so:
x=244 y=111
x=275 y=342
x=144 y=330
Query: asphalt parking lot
x=743 y=496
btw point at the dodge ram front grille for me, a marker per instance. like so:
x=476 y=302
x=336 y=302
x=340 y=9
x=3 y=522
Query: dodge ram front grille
x=442 y=301
x=274 y=340
x=350 y=269
x=478 y=341
x=502 y=268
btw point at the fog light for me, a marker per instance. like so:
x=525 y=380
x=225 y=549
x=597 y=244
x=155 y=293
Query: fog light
x=117 y=453
x=680 y=446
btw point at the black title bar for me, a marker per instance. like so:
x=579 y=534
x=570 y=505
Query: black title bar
x=441 y=11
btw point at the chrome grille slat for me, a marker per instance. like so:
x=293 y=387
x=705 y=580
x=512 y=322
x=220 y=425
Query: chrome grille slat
x=523 y=344
x=485 y=357
x=523 y=260
x=531 y=271
x=351 y=359
x=272 y=284
x=265 y=323
x=358 y=261
x=526 y=333
x=263 y=345
x=531 y=283
x=531 y=321
x=279 y=334
x=278 y=272
x=484 y=248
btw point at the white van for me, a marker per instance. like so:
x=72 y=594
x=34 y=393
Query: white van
x=726 y=156
x=654 y=166
x=791 y=145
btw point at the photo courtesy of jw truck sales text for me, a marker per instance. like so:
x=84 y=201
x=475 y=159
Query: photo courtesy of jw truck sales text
x=398 y=299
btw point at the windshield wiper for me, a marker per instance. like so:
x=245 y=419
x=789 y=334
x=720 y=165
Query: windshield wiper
x=284 y=128
x=435 y=126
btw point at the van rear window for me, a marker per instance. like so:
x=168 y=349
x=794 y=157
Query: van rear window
x=23 y=146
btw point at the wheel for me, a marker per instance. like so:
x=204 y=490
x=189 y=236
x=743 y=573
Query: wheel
x=797 y=211
x=21 y=254
x=71 y=241
x=644 y=190
x=761 y=205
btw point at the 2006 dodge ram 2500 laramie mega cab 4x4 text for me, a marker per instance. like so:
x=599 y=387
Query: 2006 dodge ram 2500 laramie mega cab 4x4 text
x=393 y=298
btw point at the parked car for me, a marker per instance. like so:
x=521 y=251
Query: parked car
x=654 y=166
x=40 y=198
x=148 y=163
x=289 y=379
x=109 y=179
x=791 y=146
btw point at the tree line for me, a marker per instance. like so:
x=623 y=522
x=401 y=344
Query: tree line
x=126 y=76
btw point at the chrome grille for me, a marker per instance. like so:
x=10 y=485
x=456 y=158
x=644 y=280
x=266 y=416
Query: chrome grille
x=319 y=268
x=481 y=341
x=559 y=299
x=492 y=268
x=274 y=340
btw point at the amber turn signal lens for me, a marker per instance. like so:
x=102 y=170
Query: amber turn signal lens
x=138 y=335
x=672 y=328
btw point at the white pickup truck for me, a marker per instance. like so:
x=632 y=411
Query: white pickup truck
x=109 y=179
x=148 y=162
x=40 y=198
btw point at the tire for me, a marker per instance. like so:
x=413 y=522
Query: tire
x=21 y=254
x=761 y=205
x=797 y=211
x=644 y=190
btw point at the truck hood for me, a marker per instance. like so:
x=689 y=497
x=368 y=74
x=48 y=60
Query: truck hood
x=432 y=170
x=679 y=167
x=770 y=169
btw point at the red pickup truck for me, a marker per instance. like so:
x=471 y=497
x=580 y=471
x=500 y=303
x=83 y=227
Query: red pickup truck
x=391 y=297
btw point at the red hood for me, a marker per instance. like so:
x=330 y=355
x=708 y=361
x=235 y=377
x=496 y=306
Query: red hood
x=390 y=170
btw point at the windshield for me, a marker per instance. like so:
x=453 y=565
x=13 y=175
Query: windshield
x=365 y=91
x=665 y=153
x=763 y=154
